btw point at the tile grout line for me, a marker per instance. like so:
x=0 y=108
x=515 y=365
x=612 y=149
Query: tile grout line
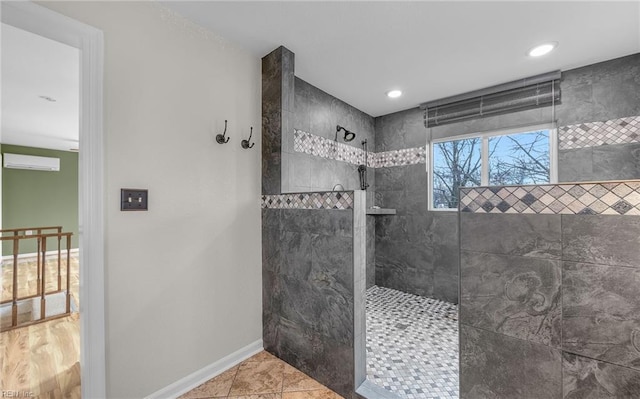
x=234 y=379
x=282 y=382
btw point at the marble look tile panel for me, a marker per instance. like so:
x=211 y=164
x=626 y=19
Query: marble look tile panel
x=446 y=256
x=605 y=240
x=616 y=162
x=416 y=251
x=371 y=248
x=599 y=92
x=576 y=165
x=499 y=367
x=404 y=129
x=591 y=134
x=512 y=295
x=308 y=292
x=585 y=378
x=535 y=236
x=404 y=256
x=329 y=222
x=601 y=313
x=277 y=74
x=614 y=198
x=320 y=200
x=603 y=163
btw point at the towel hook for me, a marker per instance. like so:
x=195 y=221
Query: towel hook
x=245 y=143
x=220 y=138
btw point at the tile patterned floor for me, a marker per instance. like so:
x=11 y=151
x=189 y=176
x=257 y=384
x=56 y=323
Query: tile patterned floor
x=262 y=376
x=412 y=344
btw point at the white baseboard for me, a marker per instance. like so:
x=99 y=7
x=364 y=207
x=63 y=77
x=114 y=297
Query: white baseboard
x=206 y=373
x=35 y=254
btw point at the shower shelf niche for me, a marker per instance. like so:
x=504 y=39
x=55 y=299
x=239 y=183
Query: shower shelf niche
x=381 y=211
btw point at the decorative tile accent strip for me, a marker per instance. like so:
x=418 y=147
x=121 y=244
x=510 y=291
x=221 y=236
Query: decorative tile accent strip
x=615 y=131
x=326 y=148
x=323 y=200
x=615 y=198
x=408 y=156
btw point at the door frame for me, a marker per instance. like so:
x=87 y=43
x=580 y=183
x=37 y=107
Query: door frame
x=89 y=40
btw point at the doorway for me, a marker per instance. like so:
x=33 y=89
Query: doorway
x=39 y=323
x=89 y=43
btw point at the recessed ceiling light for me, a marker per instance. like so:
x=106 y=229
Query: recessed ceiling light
x=542 y=49
x=394 y=93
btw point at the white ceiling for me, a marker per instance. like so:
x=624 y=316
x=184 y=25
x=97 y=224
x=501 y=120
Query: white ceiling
x=358 y=50
x=34 y=66
x=354 y=50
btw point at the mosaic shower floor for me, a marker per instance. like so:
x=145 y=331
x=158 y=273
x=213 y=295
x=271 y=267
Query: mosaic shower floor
x=412 y=344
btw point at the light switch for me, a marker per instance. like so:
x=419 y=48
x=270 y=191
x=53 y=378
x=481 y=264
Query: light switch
x=133 y=199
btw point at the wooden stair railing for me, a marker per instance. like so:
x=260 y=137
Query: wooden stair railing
x=42 y=234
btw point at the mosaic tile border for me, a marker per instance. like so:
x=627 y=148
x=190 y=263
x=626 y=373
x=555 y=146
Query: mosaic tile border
x=323 y=147
x=408 y=156
x=611 y=198
x=614 y=131
x=322 y=200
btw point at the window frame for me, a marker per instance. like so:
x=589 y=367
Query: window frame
x=484 y=153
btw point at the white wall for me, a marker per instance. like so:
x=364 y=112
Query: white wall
x=183 y=279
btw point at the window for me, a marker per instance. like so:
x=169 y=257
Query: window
x=490 y=159
x=455 y=164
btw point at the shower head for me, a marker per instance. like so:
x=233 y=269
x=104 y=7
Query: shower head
x=348 y=136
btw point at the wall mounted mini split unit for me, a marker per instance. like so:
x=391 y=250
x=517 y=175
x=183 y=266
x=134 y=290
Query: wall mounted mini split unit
x=18 y=161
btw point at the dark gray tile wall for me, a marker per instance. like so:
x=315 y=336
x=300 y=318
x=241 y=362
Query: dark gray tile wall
x=600 y=92
x=567 y=286
x=513 y=295
x=371 y=251
x=400 y=130
x=590 y=379
x=601 y=312
x=605 y=240
x=499 y=367
x=416 y=250
x=277 y=102
x=535 y=236
x=603 y=91
x=318 y=113
x=308 y=292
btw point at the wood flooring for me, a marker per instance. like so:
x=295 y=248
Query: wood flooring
x=41 y=360
x=28 y=276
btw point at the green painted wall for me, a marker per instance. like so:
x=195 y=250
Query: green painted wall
x=33 y=198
